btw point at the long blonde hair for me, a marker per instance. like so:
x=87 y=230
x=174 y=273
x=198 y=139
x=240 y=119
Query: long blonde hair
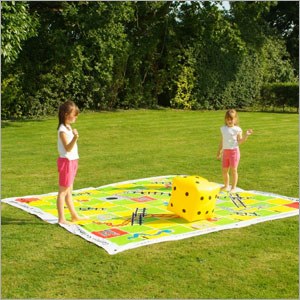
x=231 y=114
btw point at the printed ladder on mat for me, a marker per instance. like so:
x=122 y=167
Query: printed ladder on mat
x=130 y=214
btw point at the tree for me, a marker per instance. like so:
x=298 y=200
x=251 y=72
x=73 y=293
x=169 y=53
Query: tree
x=284 y=19
x=125 y=54
x=147 y=32
x=17 y=26
x=78 y=52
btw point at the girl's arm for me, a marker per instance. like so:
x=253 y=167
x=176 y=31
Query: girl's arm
x=69 y=146
x=220 y=149
x=241 y=138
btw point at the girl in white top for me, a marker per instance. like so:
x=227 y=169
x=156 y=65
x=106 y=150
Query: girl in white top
x=232 y=137
x=67 y=162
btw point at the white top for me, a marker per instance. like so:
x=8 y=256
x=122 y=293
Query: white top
x=230 y=136
x=73 y=154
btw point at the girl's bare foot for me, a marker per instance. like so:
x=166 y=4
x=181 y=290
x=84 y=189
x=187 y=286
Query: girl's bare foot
x=233 y=191
x=225 y=188
x=64 y=222
x=77 y=218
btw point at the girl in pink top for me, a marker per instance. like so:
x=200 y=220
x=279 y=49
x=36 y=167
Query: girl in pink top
x=232 y=137
x=67 y=162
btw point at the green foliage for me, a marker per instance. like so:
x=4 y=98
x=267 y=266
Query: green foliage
x=147 y=37
x=183 y=98
x=284 y=18
x=275 y=63
x=245 y=88
x=108 y=54
x=280 y=94
x=218 y=58
x=17 y=26
x=250 y=19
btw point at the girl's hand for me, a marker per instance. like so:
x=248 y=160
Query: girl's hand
x=249 y=132
x=75 y=132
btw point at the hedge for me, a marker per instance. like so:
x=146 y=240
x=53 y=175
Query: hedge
x=280 y=95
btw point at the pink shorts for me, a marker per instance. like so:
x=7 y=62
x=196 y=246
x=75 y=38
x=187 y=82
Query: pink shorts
x=67 y=170
x=231 y=158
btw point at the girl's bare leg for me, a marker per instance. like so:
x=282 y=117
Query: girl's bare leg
x=225 y=179
x=61 y=197
x=235 y=176
x=69 y=201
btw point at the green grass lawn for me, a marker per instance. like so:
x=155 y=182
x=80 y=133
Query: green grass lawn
x=40 y=260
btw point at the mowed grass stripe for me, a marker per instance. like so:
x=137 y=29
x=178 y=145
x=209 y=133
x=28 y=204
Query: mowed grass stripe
x=44 y=261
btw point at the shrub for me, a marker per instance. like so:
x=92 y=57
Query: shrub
x=280 y=94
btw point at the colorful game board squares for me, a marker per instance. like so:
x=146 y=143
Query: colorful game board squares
x=161 y=223
x=83 y=222
x=224 y=221
x=125 y=186
x=105 y=217
x=109 y=233
x=155 y=186
x=49 y=198
x=125 y=201
x=160 y=203
x=80 y=198
x=119 y=209
x=264 y=212
x=91 y=212
x=179 y=229
x=250 y=201
x=136 y=228
x=113 y=198
x=27 y=200
x=52 y=211
x=150 y=234
x=280 y=201
x=222 y=212
x=90 y=192
x=293 y=205
x=94 y=226
x=107 y=205
x=257 y=196
x=283 y=208
x=38 y=203
x=126 y=214
x=143 y=199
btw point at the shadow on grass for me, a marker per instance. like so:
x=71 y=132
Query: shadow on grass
x=5 y=124
x=18 y=122
x=270 y=111
x=12 y=221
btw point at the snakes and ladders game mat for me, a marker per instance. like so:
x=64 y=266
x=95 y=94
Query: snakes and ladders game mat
x=127 y=215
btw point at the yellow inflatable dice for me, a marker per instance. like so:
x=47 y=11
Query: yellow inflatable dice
x=193 y=198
